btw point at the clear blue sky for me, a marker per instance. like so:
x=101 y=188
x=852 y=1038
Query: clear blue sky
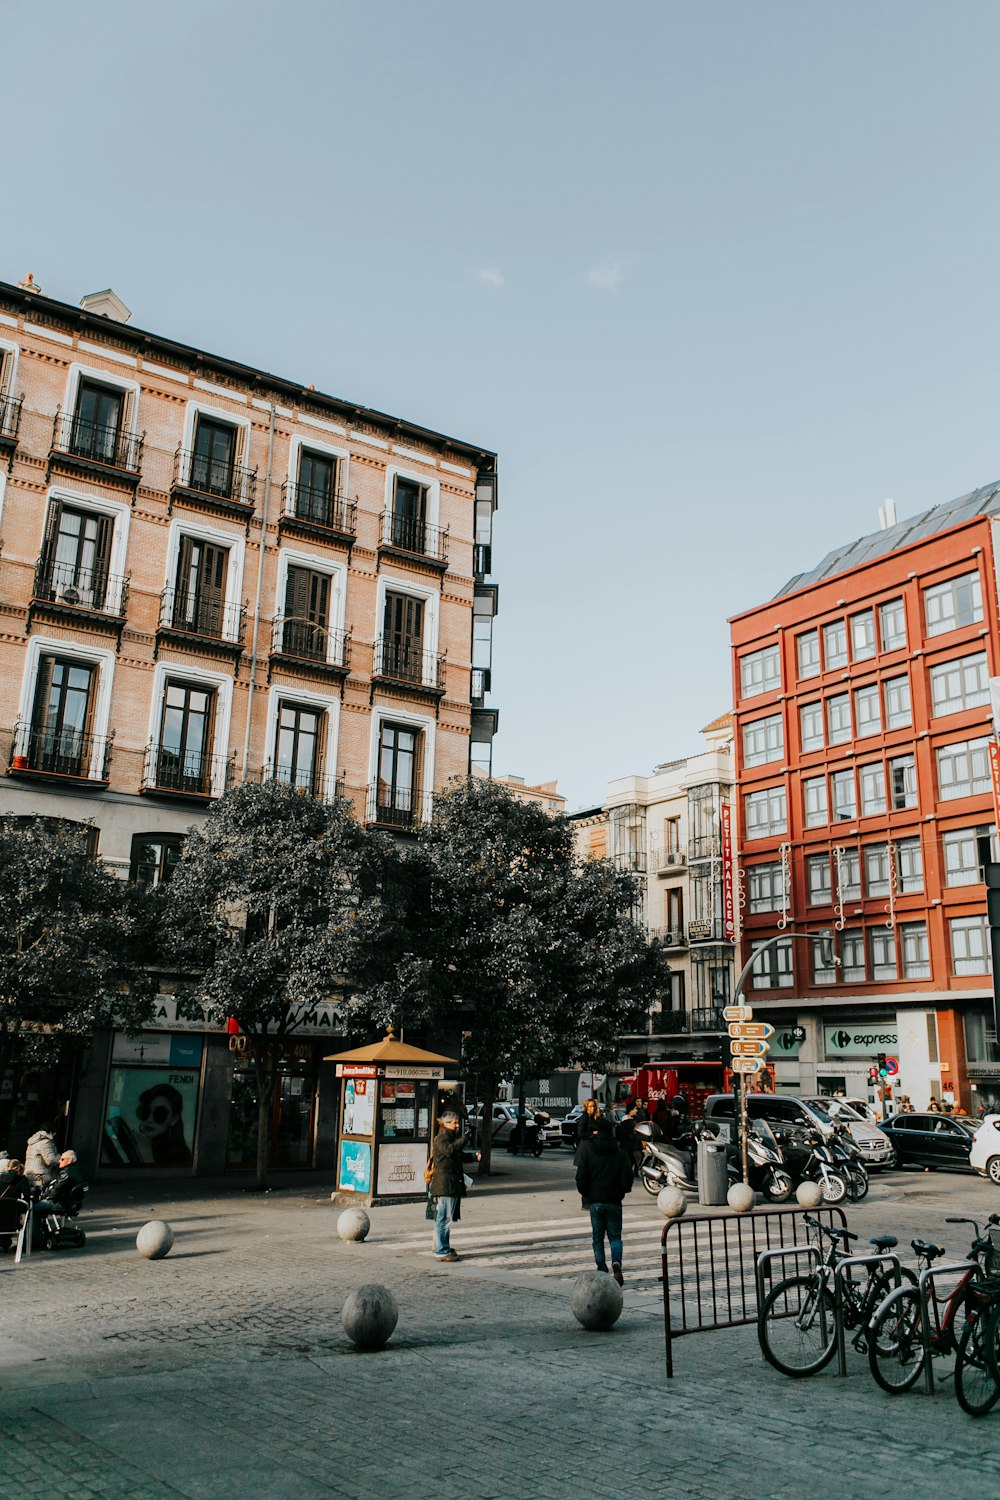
x=713 y=278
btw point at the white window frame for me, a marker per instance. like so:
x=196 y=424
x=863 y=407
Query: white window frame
x=809 y=668
x=865 y=621
x=816 y=816
x=773 y=731
x=882 y=944
x=970 y=749
x=121 y=516
x=325 y=702
x=872 y=773
x=8 y=346
x=915 y=964
x=342 y=456
x=337 y=571
x=847 y=778
x=972 y=962
x=236 y=543
x=130 y=409
x=885 y=611
x=750 y=685
x=869 y=723
x=815 y=712
x=961 y=693
x=936 y=592
x=427 y=481
x=241 y=451
x=819 y=893
x=222 y=683
x=841 y=661
x=424 y=722
x=389 y=584
x=837 y=707
x=775 y=824
x=909 y=782
x=767 y=878
x=101 y=657
x=893 y=702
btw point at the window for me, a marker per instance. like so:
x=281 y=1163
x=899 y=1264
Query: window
x=949 y=606
x=763 y=740
x=765 y=812
x=852 y=956
x=299 y=746
x=673 y=910
x=811 y=723
x=838 y=719
x=76 y=556
x=966 y=851
x=824 y=968
x=765 y=887
x=970 y=945
x=963 y=769
x=892 y=622
x=882 y=943
x=409 y=514
x=913 y=942
x=213 y=457
x=835 y=644
x=772 y=968
x=154 y=857
x=961 y=684
x=876 y=870
x=980 y=1037
x=850 y=875
x=844 y=795
x=200 y=590
x=807 y=650
x=863 y=635
x=403 y=638
x=60 y=740
x=814 y=795
x=305 y=631
x=760 y=671
x=867 y=712
x=818 y=879
x=397 y=802
x=903 y=781
x=184 y=750
x=316 y=489
x=872 y=789
x=898 y=713
x=909 y=866
x=672 y=835
x=97 y=422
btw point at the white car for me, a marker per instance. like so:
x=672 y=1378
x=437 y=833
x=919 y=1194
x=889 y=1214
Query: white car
x=985 y=1153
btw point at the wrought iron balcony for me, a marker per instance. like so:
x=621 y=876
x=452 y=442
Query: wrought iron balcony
x=708 y=847
x=417 y=541
x=10 y=421
x=323 y=788
x=402 y=665
x=66 y=753
x=666 y=861
x=314 y=648
x=208 y=483
x=65 y=587
x=197 y=618
x=707 y=1018
x=670 y=937
x=671 y=1022
x=327 y=514
x=109 y=450
x=397 y=808
x=185 y=773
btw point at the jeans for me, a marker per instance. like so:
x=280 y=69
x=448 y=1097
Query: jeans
x=442 y=1225
x=606 y=1218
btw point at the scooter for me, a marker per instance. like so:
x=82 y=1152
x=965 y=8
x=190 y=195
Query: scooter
x=849 y=1163
x=669 y=1164
x=526 y=1137
x=810 y=1159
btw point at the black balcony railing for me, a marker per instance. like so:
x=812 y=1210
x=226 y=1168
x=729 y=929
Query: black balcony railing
x=109 y=445
x=185 y=773
x=671 y=1022
x=305 y=641
x=65 y=752
x=329 y=509
x=190 y=613
x=707 y=1018
x=415 y=538
x=216 y=478
x=707 y=847
x=324 y=788
x=396 y=661
x=66 y=586
x=397 y=807
x=10 y=418
x=670 y=937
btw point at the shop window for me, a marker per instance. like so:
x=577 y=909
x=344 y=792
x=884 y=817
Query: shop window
x=152 y=1110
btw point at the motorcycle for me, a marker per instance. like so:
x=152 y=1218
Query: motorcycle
x=810 y=1158
x=526 y=1137
x=849 y=1163
x=674 y=1163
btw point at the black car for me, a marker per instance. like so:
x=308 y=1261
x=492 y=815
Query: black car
x=931 y=1140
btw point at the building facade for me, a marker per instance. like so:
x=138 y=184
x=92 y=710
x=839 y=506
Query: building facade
x=210 y=574
x=865 y=808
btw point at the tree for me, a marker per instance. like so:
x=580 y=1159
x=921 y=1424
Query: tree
x=72 y=945
x=264 y=905
x=537 y=958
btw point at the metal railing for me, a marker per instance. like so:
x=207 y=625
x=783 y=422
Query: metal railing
x=191 y=613
x=62 y=752
x=218 y=478
x=306 y=641
x=707 y=847
x=331 y=509
x=672 y=1022
x=107 y=443
x=404 y=534
x=670 y=937
x=397 y=807
x=707 y=1018
x=10 y=416
x=80 y=588
x=396 y=661
x=189 y=773
x=323 y=788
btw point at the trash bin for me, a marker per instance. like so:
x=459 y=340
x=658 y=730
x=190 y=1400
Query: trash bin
x=713 y=1182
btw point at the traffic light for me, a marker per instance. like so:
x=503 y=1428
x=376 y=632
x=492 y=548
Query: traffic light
x=726 y=1050
x=881 y=1066
x=873 y=1075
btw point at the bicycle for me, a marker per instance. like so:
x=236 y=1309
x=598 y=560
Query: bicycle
x=796 y=1326
x=899 y=1345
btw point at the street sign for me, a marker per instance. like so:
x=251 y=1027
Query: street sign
x=760 y=1029
x=747 y=1064
x=737 y=1013
x=749 y=1048
x=892 y=1066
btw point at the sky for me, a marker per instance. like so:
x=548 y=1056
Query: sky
x=714 y=279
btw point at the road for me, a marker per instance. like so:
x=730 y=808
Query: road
x=224 y=1371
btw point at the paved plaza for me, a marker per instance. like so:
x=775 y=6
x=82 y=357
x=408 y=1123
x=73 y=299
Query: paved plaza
x=224 y=1371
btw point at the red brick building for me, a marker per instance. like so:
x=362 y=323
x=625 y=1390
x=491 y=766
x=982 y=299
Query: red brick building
x=863 y=720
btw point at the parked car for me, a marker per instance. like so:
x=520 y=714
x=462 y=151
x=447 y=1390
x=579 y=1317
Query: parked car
x=930 y=1140
x=985 y=1153
x=504 y=1120
x=874 y=1145
x=777 y=1109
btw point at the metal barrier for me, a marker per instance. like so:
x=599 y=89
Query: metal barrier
x=710 y=1262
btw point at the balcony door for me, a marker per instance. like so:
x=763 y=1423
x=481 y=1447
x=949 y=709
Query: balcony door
x=409 y=515
x=398 y=770
x=307 y=614
x=97 y=422
x=185 y=750
x=213 y=457
x=403 y=638
x=77 y=555
x=200 y=595
x=61 y=719
x=317 y=487
x=299 y=746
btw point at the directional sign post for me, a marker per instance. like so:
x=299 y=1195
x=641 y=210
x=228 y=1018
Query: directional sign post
x=759 y=1029
x=747 y=1064
x=749 y=1048
x=737 y=1013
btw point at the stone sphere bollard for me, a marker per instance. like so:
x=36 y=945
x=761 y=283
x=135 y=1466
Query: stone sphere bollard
x=369 y=1316
x=353 y=1224
x=671 y=1202
x=741 y=1198
x=155 y=1239
x=809 y=1194
x=596 y=1301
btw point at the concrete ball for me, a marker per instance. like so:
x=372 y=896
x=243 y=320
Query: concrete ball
x=353 y=1224
x=596 y=1300
x=369 y=1316
x=671 y=1202
x=154 y=1239
x=809 y=1194
x=741 y=1198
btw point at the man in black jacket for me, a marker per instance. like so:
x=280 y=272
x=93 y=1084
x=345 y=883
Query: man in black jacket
x=604 y=1176
x=447 y=1184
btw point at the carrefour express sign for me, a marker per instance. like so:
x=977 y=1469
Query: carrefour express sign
x=859 y=1041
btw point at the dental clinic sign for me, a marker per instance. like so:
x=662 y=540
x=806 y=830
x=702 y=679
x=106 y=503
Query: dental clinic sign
x=859 y=1041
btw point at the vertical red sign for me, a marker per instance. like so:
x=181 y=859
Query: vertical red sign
x=995 y=773
x=728 y=902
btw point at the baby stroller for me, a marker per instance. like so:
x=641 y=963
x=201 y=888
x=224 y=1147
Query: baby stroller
x=14 y=1206
x=59 y=1203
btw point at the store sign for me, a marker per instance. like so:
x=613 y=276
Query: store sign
x=785 y=1043
x=859 y=1041
x=149 y=1047
x=401 y=1169
x=728 y=901
x=357 y=1070
x=408 y=1070
x=175 y=1013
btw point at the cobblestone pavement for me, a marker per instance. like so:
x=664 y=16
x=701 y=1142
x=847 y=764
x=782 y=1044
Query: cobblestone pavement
x=223 y=1370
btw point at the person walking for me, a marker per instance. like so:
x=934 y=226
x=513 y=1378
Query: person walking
x=626 y=1136
x=603 y=1177
x=447 y=1182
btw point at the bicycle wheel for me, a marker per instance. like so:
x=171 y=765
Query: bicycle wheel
x=857 y=1184
x=796 y=1327
x=976 y=1387
x=883 y=1284
x=895 y=1343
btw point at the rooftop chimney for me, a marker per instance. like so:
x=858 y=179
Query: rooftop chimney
x=887 y=515
x=106 y=304
x=29 y=284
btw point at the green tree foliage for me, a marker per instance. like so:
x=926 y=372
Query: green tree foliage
x=264 y=907
x=72 y=945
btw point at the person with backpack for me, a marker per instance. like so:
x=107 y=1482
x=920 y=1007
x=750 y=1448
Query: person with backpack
x=603 y=1177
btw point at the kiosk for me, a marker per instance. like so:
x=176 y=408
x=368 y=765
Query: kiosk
x=388 y=1115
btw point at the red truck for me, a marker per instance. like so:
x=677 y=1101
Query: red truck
x=695 y=1080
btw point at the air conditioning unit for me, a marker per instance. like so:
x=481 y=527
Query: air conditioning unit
x=66 y=593
x=675 y=859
